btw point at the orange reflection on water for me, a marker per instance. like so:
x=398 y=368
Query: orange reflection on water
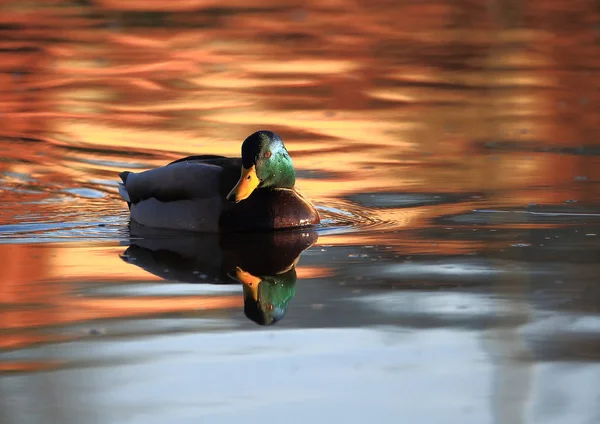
x=353 y=93
x=29 y=366
x=44 y=286
x=305 y=272
x=14 y=340
x=94 y=263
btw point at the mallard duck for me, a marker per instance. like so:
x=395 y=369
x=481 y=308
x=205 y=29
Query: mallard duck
x=208 y=193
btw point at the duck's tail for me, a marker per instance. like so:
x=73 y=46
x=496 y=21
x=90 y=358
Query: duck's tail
x=122 y=189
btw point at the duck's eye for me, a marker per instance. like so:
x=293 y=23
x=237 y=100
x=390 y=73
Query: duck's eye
x=268 y=154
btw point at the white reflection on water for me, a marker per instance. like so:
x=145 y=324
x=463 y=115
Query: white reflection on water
x=437 y=304
x=267 y=375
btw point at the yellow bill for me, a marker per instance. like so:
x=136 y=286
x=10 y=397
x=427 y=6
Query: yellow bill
x=245 y=186
x=249 y=281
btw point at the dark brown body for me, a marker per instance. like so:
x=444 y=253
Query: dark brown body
x=268 y=210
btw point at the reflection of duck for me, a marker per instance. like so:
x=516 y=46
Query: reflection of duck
x=264 y=263
x=266 y=297
x=192 y=193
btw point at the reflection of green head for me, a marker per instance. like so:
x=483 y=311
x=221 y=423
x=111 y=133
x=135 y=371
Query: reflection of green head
x=268 y=302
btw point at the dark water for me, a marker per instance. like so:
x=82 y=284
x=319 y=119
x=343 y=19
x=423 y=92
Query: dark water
x=451 y=148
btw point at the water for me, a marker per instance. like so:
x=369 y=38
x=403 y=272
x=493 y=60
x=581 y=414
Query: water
x=450 y=147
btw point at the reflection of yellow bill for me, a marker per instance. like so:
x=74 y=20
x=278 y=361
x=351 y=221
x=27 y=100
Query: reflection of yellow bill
x=245 y=186
x=249 y=281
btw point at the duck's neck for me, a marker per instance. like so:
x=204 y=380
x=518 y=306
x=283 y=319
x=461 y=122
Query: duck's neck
x=283 y=174
x=287 y=178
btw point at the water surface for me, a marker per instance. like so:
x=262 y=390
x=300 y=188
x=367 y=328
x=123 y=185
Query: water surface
x=450 y=147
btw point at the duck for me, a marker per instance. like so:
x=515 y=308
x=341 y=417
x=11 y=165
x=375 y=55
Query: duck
x=210 y=193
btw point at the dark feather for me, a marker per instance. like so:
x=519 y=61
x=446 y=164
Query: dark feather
x=194 y=177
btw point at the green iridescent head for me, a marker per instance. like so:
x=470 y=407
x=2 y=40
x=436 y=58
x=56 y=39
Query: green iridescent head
x=266 y=163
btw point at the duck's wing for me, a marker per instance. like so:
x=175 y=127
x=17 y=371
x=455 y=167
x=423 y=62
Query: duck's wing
x=185 y=179
x=212 y=159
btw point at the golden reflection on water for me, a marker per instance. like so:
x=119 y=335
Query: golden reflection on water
x=128 y=82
